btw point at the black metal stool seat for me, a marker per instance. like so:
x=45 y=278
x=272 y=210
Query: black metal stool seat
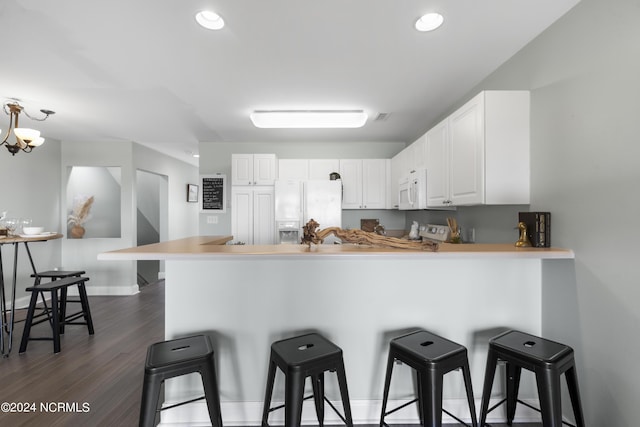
x=174 y=358
x=548 y=360
x=300 y=357
x=56 y=315
x=63 y=300
x=431 y=356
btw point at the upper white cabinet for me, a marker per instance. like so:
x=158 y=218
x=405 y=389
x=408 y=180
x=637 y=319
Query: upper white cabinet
x=364 y=183
x=307 y=169
x=480 y=153
x=297 y=169
x=322 y=168
x=253 y=169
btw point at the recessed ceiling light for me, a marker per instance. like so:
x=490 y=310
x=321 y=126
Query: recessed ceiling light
x=429 y=22
x=308 y=118
x=209 y=20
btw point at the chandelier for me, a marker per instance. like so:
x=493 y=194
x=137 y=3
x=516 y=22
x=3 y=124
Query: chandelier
x=25 y=139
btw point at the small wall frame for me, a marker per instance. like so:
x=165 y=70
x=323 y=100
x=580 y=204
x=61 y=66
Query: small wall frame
x=192 y=193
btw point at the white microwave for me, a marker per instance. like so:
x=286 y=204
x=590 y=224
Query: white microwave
x=412 y=192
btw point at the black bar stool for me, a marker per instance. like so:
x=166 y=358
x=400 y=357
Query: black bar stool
x=431 y=356
x=300 y=357
x=63 y=300
x=168 y=359
x=56 y=317
x=547 y=360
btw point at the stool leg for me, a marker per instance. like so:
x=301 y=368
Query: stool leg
x=513 y=385
x=431 y=384
x=549 y=394
x=149 y=403
x=318 y=396
x=489 y=374
x=421 y=391
x=211 y=393
x=294 y=390
x=572 y=384
x=344 y=393
x=84 y=301
x=466 y=374
x=267 y=394
x=56 y=321
x=63 y=308
x=27 y=324
x=387 y=384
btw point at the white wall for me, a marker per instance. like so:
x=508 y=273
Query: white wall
x=111 y=277
x=583 y=74
x=31 y=189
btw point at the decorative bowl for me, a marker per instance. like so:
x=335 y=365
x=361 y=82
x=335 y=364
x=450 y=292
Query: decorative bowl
x=33 y=230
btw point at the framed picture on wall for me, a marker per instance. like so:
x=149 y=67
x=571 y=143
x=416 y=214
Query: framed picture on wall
x=212 y=193
x=192 y=193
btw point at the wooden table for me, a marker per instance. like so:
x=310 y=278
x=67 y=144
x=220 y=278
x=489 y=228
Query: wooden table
x=6 y=325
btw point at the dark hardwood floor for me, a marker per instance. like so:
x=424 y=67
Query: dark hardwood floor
x=99 y=377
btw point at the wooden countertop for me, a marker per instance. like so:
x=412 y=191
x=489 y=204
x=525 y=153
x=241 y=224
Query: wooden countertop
x=214 y=247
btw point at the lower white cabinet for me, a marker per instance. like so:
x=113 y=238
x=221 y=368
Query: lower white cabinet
x=253 y=215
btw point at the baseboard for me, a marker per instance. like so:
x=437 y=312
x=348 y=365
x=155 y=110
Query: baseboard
x=23 y=302
x=363 y=412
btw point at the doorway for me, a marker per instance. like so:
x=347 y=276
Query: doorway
x=151 y=221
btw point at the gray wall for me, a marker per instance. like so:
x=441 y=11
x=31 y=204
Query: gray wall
x=584 y=77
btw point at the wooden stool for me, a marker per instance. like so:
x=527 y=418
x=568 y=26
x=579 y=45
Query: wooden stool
x=547 y=360
x=182 y=356
x=63 y=300
x=298 y=358
x=431 y=356
x=54 y=316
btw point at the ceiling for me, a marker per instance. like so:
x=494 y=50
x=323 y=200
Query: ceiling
x=144 y=71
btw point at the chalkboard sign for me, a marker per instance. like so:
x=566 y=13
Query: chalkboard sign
x=212 y=195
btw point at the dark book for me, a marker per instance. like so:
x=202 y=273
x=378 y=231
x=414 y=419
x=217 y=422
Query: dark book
x=538 y=228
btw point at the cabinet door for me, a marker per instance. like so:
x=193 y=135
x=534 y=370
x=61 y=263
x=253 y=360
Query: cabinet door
x=398 y=170
x=351 y=174
x=264 y=169
x=297 y=169
x=263 y=216
x=242 y=169
x=242 y=214
x=322 y=168
x=466 y=153
x=374 y=183
x=437 y=154
x=420 y=152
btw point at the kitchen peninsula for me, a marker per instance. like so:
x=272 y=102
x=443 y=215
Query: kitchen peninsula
x=245 y=297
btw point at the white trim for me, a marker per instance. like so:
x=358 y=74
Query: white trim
x=363 y=412
x=23 y=302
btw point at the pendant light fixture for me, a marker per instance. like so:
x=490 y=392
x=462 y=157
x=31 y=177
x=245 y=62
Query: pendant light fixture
x=17 y=138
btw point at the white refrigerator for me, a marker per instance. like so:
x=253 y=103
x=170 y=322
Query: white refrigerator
x=296 y=202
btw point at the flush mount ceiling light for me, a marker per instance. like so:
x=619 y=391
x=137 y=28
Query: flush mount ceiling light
x=308 y=118
x=429 y=22
x=209 y=20
x=25 y=139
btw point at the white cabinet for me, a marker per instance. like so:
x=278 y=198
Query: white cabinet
x=253 y=215
x=364 y=183
x=253 y=169
x=322 y=168
x=399 y=169
x=307 y=169
x=480 y=153
x=297 y=169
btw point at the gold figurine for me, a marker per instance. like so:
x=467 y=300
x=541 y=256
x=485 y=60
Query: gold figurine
x=523 y=241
